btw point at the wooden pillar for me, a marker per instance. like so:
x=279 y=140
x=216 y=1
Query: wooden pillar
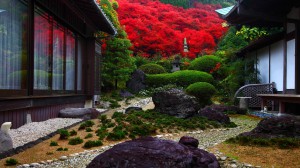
x=297 y=59
x=285 y=59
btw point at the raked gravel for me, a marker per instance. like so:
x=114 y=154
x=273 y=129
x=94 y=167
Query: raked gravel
x=35 y=130
x=207 y=138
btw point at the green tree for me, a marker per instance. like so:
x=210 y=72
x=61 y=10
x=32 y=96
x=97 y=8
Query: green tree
x=117 y=63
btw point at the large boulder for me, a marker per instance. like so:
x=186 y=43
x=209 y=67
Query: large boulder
x=5 y=142
x=175 y=102
x=84 y=113
x=276 y=127
x=136 y=82
x=212 y=114
x=225 y=109
x=153 y=152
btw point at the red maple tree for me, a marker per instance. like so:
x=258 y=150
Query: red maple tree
x=154 y=27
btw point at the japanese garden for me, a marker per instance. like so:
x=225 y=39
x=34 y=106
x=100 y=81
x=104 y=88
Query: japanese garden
x=149 y=83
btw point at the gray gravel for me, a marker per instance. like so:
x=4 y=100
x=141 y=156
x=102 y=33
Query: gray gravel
x=207 y=138
x=35 y=130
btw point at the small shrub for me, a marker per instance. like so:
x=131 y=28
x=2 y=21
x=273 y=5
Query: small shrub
x=53 y=143
x=88 y=136
x=117 y=115
x=82 y=126
x=152 y=68
x=205 y=63
x=11 y=162
x=90 y=144
x=116 y=135
x=88 y=129
x=62 y=149
x=114 y=104
x=202 y=91
x=73 y=132
x=89 y=123
x=64 y=134
x=102 y=133
x=75 y=141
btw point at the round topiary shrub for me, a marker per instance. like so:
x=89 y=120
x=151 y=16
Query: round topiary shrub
x=152 y=69
x=207 y=63
x=203 y=91
x=180 y=78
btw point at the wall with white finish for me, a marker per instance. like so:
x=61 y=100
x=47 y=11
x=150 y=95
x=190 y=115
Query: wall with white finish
x=263 y=64
x=290 y=64
x=277 y=64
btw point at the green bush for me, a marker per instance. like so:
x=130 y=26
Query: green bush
x=90 y=144
x=205 y=63
x=64 y=134
x=82 y=126
x=167 y=64
x=75 y=141
x=11 y=162
x=180 y=78
x=53 y=143
x=62 y=149
x=88 y=136
x=89 y=123
x=73 y=132
x=152 y=68
x=203 y=91
x=88 y=129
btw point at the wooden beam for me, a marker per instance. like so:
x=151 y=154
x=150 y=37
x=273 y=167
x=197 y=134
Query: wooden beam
x=241 y=10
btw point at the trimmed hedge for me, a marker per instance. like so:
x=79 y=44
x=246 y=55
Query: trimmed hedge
x=205 y=63
x=152 y=69
x=203 y=91
x=180 y=78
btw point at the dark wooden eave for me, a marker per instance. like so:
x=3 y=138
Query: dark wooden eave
x=266 y=13
x=94 y=13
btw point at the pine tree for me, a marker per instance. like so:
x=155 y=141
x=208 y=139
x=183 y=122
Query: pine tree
x=117 y=63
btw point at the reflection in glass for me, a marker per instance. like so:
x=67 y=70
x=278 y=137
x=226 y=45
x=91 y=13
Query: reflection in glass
x=13 y=43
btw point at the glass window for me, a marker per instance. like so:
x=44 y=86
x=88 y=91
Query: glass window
x=13 y=45
x=80 y=50
x=58 y=57
x=42 y=49
x=70 y=61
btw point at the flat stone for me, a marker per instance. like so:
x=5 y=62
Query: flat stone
x=34 y=164
x=25 y=165
x=49 y=161
x=223 y=158
x=233 y=166
x=63 y=158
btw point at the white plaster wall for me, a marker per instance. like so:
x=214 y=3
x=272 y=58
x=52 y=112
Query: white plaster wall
x=290 y=64
x=277 y=65
x=290 y=27
x=263 y=64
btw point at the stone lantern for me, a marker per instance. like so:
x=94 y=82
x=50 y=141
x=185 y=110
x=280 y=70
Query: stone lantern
x=176 y=64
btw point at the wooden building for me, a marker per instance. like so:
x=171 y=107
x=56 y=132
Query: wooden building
x=278 y=56
x=49 y=57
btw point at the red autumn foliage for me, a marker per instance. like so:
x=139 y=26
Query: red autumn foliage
x=154 y=27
